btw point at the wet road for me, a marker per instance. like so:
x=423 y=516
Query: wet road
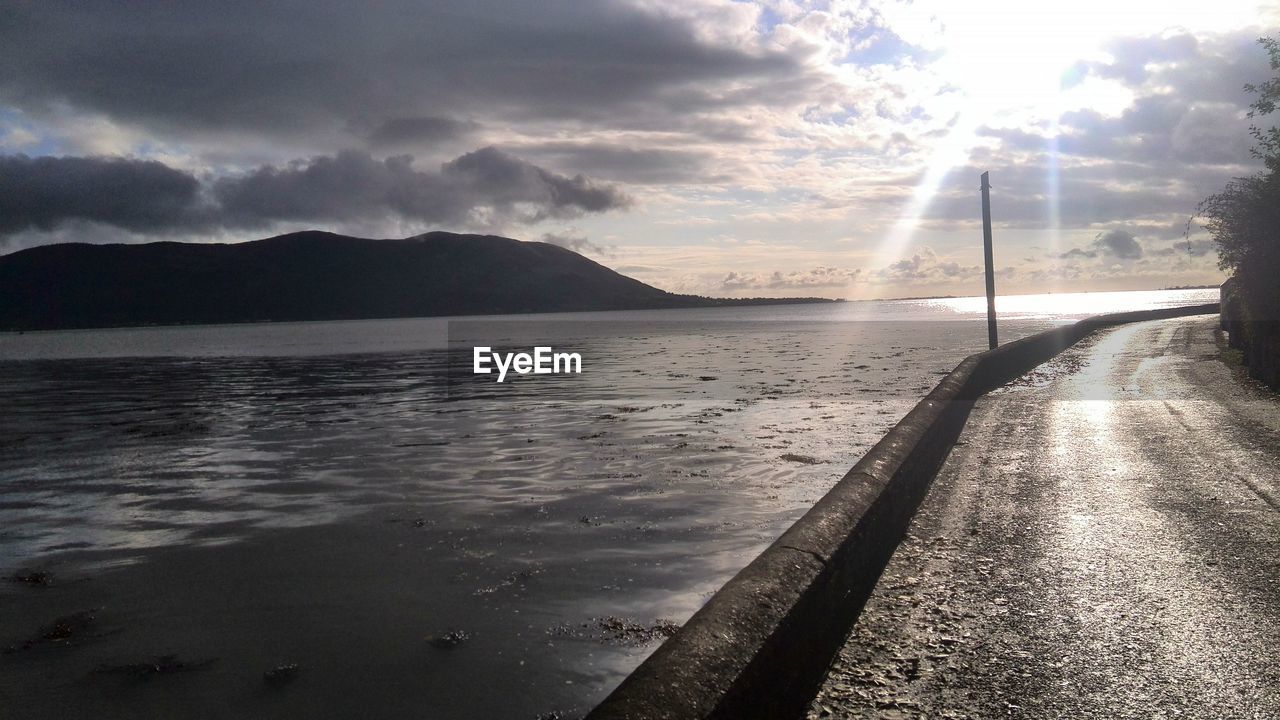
x=1104 y=542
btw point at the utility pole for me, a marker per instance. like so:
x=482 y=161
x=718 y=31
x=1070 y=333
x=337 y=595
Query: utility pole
x=986 y=251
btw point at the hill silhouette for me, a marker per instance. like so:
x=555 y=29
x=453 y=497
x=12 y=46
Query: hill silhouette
x=313 y=276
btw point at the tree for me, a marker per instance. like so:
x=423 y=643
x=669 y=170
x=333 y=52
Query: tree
x=1268 y=147
x=1244 y=219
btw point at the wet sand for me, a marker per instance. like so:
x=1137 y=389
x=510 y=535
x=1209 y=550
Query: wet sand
x=535 y=602
x=376 y=618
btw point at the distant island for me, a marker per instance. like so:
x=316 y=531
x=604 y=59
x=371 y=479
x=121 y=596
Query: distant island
x=315 y=276
x=914 y=297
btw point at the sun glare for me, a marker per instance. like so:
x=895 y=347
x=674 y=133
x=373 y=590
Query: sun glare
x=1065 y=306
x=1007 y=60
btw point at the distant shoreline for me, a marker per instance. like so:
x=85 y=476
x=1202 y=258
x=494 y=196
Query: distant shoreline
x=1065 y=292
x=711 y=304
x=707 y=302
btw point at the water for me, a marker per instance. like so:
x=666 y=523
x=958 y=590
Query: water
x=689 y=442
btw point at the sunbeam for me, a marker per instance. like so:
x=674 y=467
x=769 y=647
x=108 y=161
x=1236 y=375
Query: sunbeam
x=1007 y=59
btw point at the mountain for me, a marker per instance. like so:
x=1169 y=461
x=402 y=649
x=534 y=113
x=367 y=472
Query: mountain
x=312 y=276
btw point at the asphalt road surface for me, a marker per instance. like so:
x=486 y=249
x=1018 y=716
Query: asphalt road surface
x=1104 y=542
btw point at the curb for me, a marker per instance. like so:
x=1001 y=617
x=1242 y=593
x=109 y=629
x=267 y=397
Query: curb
x=761 y=645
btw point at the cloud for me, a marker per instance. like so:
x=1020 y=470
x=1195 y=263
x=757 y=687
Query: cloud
x=1119 y=243
x=576 y=243
x=140 y=195
x=401 y=131
x=925 y=266
x=295 y=66
x=481 y=188
x=1190 y=248
x=808 y=124
x=505 y=180
x=818 y=277
x=1203 y=69
x=627 y=163
x=1078 y=253
x=641 y=269
x=1115 y=243
x=1181 y=135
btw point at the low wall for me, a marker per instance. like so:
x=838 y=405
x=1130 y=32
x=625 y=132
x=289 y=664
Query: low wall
x=762 y=644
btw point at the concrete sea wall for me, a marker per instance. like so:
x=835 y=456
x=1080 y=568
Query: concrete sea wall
x=762 y=644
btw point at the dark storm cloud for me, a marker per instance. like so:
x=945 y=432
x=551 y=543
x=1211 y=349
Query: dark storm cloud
x=139 y=195
x=149 y=197
x=503 y=180
x=353 y=185
x=415 y=130
x=628 y=164
x=290 y=66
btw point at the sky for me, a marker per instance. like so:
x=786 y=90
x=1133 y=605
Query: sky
x=776 y=148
